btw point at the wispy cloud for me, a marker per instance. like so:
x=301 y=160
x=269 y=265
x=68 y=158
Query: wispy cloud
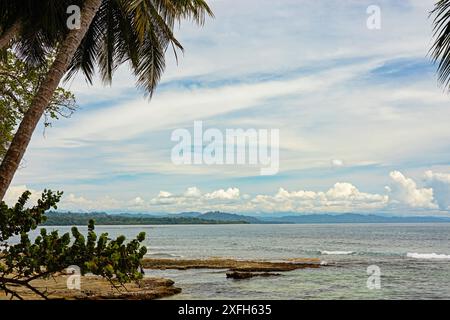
x=351 y=104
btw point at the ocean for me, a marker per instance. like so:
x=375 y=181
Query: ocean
x=413 y=259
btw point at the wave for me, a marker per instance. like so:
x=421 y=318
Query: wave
x=163 y=255
x=324 y=252
x=427 y=256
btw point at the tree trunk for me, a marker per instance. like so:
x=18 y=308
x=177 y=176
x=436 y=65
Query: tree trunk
x=22 y=138
x=10 y=34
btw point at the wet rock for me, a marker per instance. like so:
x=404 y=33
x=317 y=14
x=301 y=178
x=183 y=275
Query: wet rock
x=98 y=288
x=231 y=264
x=247 y=275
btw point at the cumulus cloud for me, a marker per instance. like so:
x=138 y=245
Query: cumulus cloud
x=164 y=198
x=164 y=194
x=193 y=192
x=404 y=190
x=194 y=199
x=14 y=192
x=342 y=197
x=71 y=201
x=138 y=201
x=440 y=183
x=229 y=194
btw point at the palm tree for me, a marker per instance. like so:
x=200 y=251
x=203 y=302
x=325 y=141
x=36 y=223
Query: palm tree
x=9 y=34
x=11 y=22
x=440 y=50
x=38 y=24
x=112 y=32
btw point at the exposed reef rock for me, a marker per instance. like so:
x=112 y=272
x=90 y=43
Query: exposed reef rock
x=247 y=275
x=231 y=264
x=98 y=288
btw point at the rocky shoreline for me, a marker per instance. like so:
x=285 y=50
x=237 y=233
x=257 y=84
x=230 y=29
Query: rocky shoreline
x=232 y=264
x=97 y=288
x=235 y=269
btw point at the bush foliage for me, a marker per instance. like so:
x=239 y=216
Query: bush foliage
x=23 y=260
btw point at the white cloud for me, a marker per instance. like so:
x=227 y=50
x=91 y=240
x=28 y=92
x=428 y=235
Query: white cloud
x=14 y=192
x=193 y=192
x=405 y=191
x=342 y=197
x=440 y=183
x=337 y=163
x=283 y=194
x=138 y=201
x=177 y=107
x=164 y=198
x=229 y=194
x=334 y=88
x=402 y=193
x=164 y=194
x=72 y=202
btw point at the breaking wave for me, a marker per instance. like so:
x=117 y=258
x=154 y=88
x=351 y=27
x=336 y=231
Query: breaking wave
x=324 y=252
x=427 y=256
x=162 y=255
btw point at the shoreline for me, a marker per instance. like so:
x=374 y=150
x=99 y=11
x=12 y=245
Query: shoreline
x=98 y=288
x=231 y=264
x=150 y=288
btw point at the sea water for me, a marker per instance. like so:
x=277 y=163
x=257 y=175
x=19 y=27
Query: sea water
x=414 y=259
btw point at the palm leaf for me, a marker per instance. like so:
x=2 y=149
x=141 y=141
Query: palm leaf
x=440 y=50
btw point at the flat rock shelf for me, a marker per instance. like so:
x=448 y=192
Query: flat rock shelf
x=98 y=288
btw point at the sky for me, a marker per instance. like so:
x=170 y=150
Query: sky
x=363 y=122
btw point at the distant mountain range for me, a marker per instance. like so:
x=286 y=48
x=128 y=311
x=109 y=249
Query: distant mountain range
x=353 y=218
x=218 y=216
x=101 y=218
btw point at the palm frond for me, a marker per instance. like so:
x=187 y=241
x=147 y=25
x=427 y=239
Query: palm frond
x=151 y=64
x=134 y=31
x=440 y=50
x=85 y=57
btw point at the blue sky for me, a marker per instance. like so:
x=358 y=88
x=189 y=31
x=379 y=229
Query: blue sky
x=363 y=123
